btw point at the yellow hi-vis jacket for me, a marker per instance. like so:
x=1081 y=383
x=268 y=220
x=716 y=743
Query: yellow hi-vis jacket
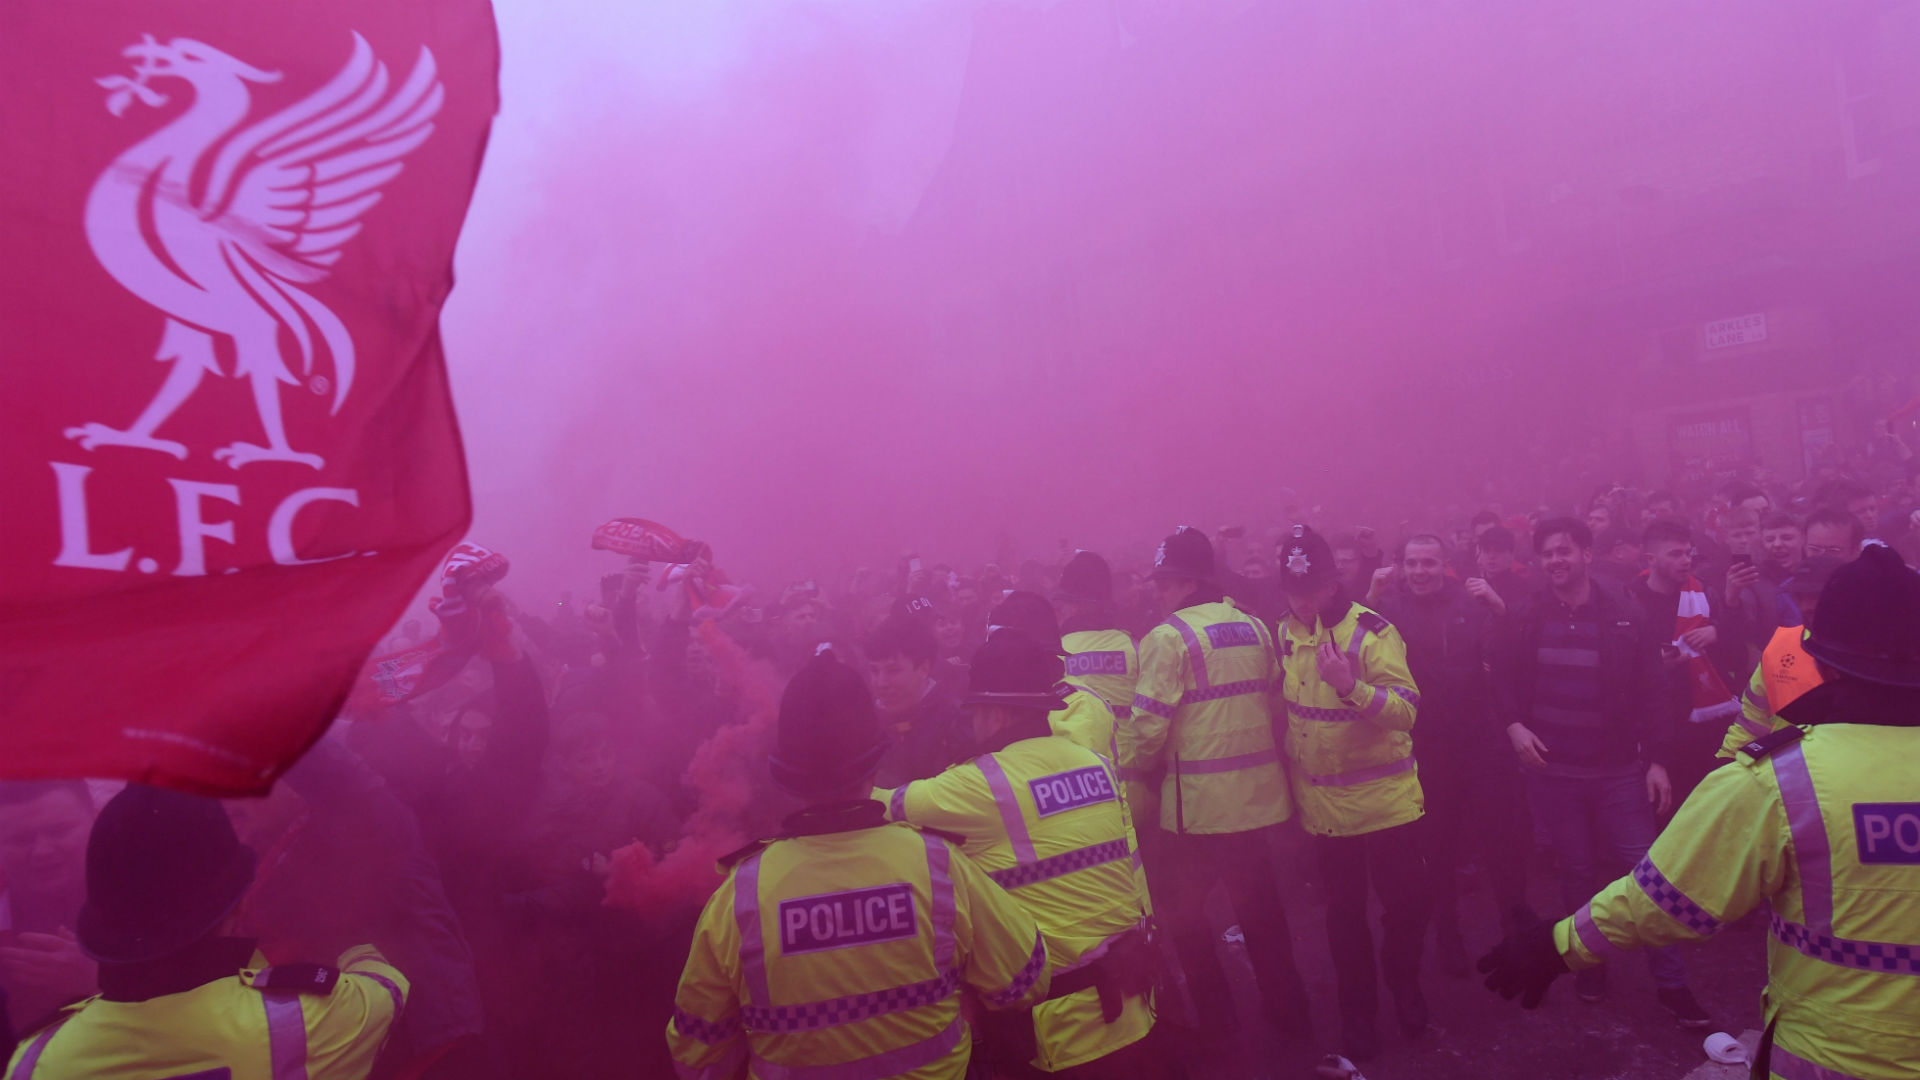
x=1043 y=817
x=246 y=1027
x=1821 y=824
x=1201 y=709
x=1784 y=673
x=840 y=955
x=1085 y=718
x=1353 y=771
x=1105 y=662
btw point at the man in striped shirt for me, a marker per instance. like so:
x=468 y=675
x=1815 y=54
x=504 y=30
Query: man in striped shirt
x=1581 y=683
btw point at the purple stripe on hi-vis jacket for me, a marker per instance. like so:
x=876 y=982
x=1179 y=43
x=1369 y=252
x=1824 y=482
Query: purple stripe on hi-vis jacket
x=1847 y=952
x=1196 y=658
x=1228 y=635
x=1148 y=705
x=843 y=919
x=1807 y=827
x=1226 y=690
x=286 y=1034
x=1887 y=833
x=1591 y=936
x=30 y=1057
x=1097 y=663
x=1070 y=790
x=711 y=1032
x=1669 y=898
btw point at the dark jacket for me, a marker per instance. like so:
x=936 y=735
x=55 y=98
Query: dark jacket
x=1447 y=640
x=1640 y=699
x=357 y=870
x=925 y=744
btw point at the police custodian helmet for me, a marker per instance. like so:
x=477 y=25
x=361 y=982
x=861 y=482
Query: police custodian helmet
x=829 y=735
x=1868 y=622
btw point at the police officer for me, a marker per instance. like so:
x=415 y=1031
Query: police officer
x=841 y=945
x=1202 y=722
x=1100 y=655
x=1350 y=704
x=1819 y=820
x=1079 y=712
x=1084 y=717
x=178 y=995
x=1042 y=815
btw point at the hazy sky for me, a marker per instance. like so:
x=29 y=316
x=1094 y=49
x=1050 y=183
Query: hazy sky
x=823 y=282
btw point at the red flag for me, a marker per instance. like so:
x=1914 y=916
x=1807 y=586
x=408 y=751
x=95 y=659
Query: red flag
x=228 y=456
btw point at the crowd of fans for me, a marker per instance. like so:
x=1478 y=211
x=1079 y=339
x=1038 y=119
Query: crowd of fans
x=470 y=832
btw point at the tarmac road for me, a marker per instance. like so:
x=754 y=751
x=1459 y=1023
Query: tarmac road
x=1477 y=1036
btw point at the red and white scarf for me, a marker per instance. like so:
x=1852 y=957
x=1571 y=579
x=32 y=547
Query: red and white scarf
x=410 y=672
x=1712 y=701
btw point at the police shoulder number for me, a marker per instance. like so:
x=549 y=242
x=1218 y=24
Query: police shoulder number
x=1761 y=748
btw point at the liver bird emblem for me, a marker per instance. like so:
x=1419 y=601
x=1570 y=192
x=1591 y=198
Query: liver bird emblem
x=222 y=227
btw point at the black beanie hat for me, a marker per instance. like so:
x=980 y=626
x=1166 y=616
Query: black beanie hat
x=1867 y=624
x=829 y=735
x=163 y=870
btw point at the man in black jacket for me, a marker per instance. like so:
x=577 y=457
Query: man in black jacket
x=1580 y=682
x=922 y=721
x=1474 y=801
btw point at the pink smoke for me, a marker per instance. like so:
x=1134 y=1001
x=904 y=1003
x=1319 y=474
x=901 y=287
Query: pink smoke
x=722 y=773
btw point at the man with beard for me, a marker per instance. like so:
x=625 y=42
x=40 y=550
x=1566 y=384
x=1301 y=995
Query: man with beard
x=1578 y=679
x=1815 y=822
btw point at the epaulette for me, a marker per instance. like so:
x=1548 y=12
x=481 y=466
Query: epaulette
x=1372 y=621
x=299 y=978
x=1759 y=749
x=727 y=862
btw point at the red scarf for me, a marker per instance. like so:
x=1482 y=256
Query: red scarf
x=1712 y=701
x=464 y=630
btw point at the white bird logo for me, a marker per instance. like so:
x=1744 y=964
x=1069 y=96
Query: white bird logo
x=219 y=228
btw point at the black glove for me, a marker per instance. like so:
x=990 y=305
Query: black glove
x=1524 y=965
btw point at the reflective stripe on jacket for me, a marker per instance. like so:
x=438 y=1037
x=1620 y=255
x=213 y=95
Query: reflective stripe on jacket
x=1784 y=673
x=1826 y=831
x=229 y=1027
x=1354 y=770
x=1044 y=818
x=1200 y=711
x=840 y=956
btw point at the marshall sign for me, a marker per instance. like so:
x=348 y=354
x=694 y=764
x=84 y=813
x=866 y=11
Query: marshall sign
x=230 y=458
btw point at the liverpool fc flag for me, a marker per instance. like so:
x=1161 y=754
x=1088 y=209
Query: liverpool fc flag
x=228 y=457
